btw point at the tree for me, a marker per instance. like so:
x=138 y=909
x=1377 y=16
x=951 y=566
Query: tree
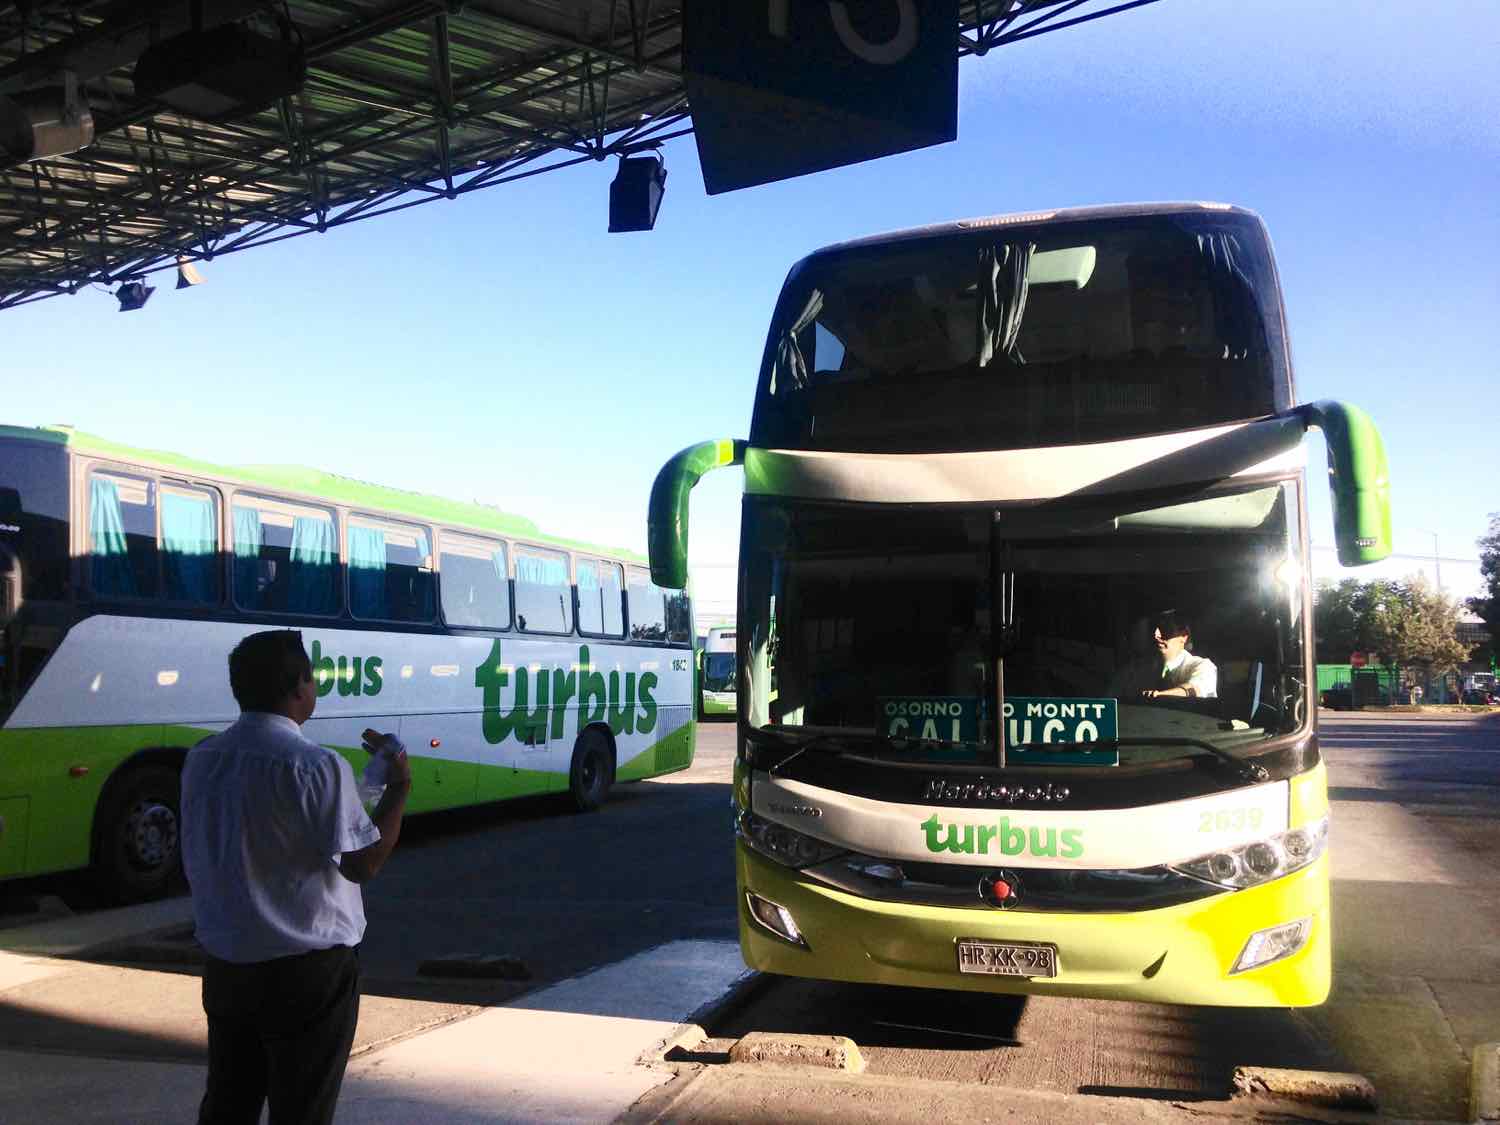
x=1417 y=629
x=1347 y=617
x=1488 y=606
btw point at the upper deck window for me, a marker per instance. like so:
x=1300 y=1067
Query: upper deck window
x=1042 y=335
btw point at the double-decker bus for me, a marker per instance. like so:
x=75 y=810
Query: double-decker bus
x=1024 y=613
x=716 y=690
x=509 y=662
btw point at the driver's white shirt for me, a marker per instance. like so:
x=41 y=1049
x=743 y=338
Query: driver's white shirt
x=1197 y=672
x=266 y=813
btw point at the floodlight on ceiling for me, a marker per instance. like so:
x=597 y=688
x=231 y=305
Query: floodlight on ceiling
x=187 y=273
x=220 y=73
x=45 y=121
x=133 y=295
x=635 y=195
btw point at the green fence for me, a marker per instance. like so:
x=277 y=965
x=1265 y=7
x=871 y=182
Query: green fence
x=1369 y=687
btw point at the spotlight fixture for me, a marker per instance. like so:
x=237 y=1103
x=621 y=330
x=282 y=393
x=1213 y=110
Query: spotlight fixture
x=221 y=73
x=133 y=295
x=635 y=195
x=187 y=274
x=45 y=121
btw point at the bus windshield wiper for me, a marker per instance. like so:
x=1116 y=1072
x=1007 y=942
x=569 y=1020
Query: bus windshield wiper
x=1250 y=771
x=826 y=743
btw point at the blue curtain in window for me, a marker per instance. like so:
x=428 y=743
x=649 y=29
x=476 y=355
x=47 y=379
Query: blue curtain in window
x=109 y=557
x=541 y=571
x=367 y=591
x=313 y=554
x=247 y=541
x=189 y=543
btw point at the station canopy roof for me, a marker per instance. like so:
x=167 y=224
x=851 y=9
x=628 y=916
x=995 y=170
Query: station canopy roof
x=405 y=102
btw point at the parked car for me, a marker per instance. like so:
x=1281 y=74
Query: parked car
x=1340 y=697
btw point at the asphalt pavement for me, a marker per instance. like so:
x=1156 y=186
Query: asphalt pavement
x=632 y=1025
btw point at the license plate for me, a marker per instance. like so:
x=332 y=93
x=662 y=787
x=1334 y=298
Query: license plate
x=1008 y=958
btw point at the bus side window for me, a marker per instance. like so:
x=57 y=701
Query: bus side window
x=679 y=617
x=543 y=592
x=648 y=611
x=390 y=571
x=190 y=544
x=475 y=582
x=601 y=609
x=285 y=556
x=123 y=559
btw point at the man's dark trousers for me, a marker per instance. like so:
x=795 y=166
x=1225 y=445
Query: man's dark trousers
x=279 y=1031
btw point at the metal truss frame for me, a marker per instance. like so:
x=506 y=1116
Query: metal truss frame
x=406 y=102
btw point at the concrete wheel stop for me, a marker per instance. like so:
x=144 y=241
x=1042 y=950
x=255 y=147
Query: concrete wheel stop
x=1484 y=1084
x=827 y=1052
x=1328 y=1089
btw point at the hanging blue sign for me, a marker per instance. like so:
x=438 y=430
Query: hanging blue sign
x=779 y=89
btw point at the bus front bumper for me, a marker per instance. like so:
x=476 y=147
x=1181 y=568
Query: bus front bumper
x=1179 y=954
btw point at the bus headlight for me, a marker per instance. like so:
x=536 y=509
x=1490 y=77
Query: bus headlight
x=774 y=917
x=1273 y=944
x=778 y=842
x=1261 y=860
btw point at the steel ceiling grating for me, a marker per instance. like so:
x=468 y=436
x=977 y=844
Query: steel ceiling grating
x=406 y=102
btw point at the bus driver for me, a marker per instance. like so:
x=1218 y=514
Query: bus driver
x=1173 y=671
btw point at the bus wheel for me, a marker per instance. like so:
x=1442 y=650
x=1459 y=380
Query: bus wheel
x=138 y=849
x=592 y=771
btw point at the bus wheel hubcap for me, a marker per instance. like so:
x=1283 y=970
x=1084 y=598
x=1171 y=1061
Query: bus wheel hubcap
x=151 y=833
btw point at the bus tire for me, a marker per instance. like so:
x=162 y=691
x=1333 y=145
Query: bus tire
x=138 y=836
x=592 y=771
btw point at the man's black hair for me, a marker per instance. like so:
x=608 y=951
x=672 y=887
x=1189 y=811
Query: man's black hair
x=265 y=668
x=1173 y=623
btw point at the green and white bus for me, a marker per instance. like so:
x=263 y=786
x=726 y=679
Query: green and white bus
x=716 y=687
x=997 y=470
x=510 y=662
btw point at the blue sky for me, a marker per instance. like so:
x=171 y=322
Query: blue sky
x=505 y=348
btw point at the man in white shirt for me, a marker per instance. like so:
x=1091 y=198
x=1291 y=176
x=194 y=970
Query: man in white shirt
x=1175 y=672
x=275 y=842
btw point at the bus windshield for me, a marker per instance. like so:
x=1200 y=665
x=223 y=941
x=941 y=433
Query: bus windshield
x=718 y=671
x=883 y=628
x=1025 y=336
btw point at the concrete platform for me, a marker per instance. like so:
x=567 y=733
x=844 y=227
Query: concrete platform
x=102 y=1043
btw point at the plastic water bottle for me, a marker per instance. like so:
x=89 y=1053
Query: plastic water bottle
x=377 y=771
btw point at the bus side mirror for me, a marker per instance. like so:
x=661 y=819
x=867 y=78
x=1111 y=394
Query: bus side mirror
x=1359 y=478
x=667 y=518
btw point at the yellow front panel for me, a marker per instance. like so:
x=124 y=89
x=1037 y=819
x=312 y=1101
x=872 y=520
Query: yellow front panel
x=1177 y=954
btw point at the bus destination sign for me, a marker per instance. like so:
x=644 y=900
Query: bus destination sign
x=1043 y=731
x=936 y=718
